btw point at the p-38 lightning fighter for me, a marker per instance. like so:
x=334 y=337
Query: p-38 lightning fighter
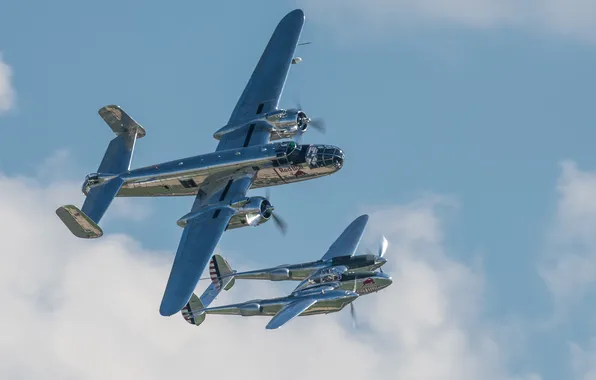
x=340 y=253
x=245 y=158
x=326 y=291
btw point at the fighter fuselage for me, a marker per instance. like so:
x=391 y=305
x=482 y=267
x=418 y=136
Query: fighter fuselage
x=333 y=296
x=299 y=272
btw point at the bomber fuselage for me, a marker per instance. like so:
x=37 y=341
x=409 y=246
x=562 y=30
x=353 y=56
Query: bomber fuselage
x=275 y=164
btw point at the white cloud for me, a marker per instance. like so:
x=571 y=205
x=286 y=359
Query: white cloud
x=75 y=309
x=7 y=93
x=584 y=361
x=570 y=266
x=573 y=18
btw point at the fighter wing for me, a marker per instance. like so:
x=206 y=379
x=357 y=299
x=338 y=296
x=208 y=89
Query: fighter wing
x=347 y=243
x=200 y=237
x=265 y=86
x=289 y=312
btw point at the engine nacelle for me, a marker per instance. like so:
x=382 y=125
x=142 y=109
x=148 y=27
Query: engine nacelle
x=250 y=309
x=279 y=274
x=251 y=212
x=286 y=123
x=248 y=212
x=95 y=179
x=282 y=124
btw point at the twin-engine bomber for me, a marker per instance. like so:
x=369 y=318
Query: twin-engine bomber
x=245 y=158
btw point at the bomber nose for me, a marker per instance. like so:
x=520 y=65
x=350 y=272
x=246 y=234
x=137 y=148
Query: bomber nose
x=338 y=158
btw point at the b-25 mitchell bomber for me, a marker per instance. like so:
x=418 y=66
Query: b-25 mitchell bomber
x=326 y=291
x=245 y=158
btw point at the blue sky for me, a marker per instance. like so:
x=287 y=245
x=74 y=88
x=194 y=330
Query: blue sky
x=479 y=114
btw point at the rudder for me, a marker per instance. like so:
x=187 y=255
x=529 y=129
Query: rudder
x=192 y=311
x=221 y=273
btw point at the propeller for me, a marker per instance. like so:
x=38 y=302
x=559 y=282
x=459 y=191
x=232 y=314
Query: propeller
x=279 y=222
x=316 y=123
x=383 y=245
x=382 y=248
x=353 y=309
x=353 y=313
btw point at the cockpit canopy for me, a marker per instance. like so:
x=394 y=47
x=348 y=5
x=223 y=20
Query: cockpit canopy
x=325 y=275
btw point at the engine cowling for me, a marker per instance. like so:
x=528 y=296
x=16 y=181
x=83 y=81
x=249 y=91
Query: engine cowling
x=248 y=212
x=251 y=212
x=282 y=124
x=287 y=123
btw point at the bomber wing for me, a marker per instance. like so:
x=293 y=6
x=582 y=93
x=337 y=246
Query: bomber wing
x=347 y=243
x=201 y=235
x=262 y=93
x=289 y=312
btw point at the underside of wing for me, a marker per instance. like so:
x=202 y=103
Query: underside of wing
x=205 y=224
x=262 y=93
x=199 y=239
x=289 y=312
x=347 y=243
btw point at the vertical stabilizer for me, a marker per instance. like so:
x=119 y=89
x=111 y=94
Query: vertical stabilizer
x=191 y=312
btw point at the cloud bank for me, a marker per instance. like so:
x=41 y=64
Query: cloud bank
x=7 y=93
x=570 y=266
x=75 y=309
x=570 y=18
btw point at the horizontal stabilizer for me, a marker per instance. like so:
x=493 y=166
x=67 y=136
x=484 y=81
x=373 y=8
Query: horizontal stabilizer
x=119 y=121
x=191 y=312
x=78 y=222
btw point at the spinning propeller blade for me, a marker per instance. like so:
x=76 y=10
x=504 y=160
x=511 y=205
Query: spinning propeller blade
x=353 y=313
x=279 y=222
x=353 y=308
x=317 y=122
x=383 y=244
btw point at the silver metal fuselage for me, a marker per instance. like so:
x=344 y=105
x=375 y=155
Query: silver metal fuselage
x=333 y=296
x=275 y=164
x=299 y=272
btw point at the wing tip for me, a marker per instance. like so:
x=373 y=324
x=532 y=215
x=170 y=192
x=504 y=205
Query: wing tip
x=165 y=310
x=363 y=217
x=297 y=13
x=295 y=16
